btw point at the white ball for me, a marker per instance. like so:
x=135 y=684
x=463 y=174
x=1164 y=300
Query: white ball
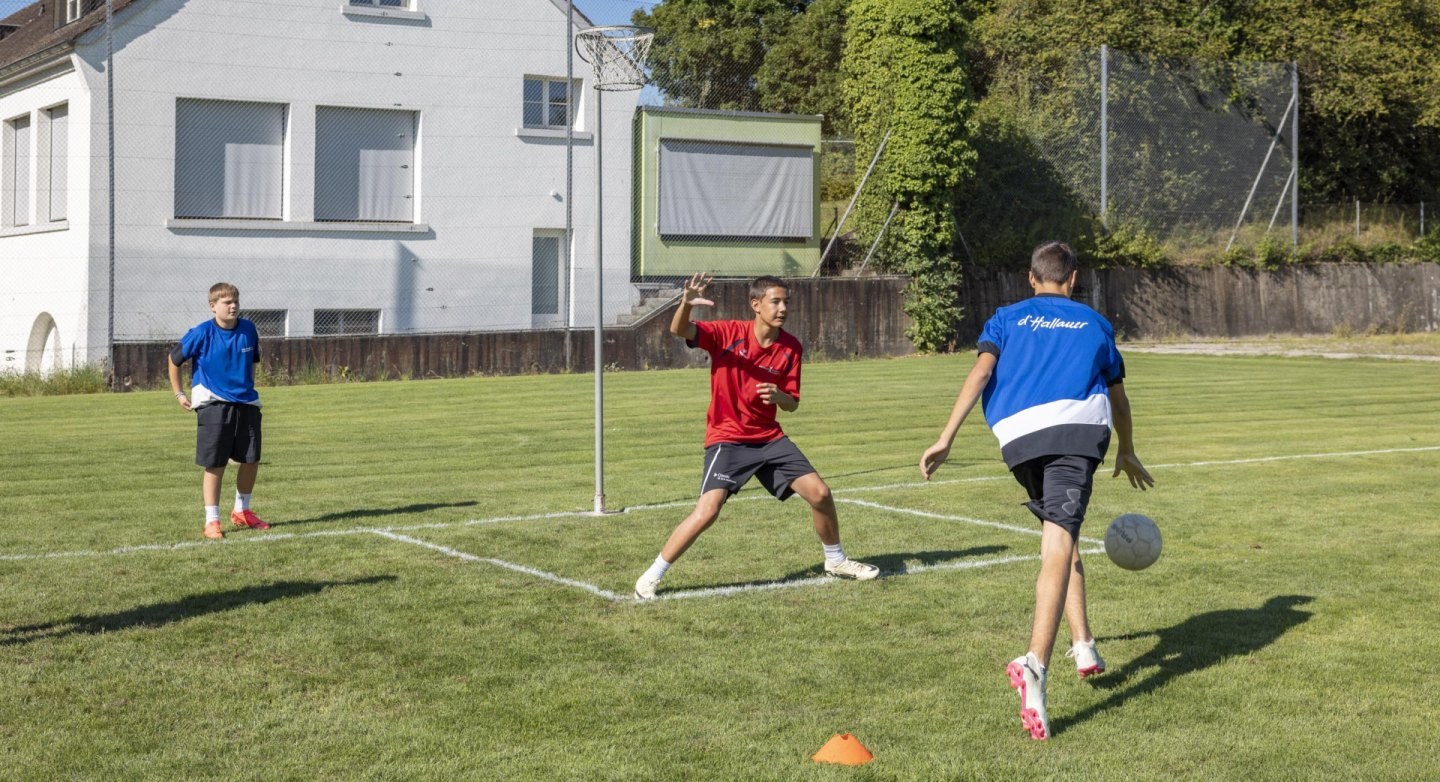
x=1133 y=541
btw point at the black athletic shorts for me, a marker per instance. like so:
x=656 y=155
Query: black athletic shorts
x=227 y=431
x=776 y=463
x=1059 y=488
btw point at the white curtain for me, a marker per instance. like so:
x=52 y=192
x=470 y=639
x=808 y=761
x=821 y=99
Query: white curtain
x=59 y=161
x=737 y=190
x=229 y=159
x=364 y=164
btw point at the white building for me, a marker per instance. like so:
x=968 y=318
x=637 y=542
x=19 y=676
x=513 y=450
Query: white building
x=353 y=166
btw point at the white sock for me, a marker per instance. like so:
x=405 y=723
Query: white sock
x=657 y=569
x=834 y=555
x=242 y=501
x=212 y=513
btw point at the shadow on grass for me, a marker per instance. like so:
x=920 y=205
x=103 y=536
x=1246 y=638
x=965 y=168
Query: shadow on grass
x=361 y=513
x=161 y=614
x=1195 y=644
x=889 y=564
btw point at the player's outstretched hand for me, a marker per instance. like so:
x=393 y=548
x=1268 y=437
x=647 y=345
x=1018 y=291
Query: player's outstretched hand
x=934 y=456
x=695 y=289
x=1134 y=470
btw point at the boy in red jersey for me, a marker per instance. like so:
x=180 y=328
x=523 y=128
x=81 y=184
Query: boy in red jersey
x=754 y=368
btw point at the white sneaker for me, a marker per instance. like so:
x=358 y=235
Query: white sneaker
x=645 y=587
x=1028 y=676
x=850 y=568
x=1087 y=660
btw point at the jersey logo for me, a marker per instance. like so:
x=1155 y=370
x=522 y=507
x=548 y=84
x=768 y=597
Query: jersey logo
x=1036 y=322
x=738 y=346
x=789 y=359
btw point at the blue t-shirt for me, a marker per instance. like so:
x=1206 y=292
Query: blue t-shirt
x=224 y=362
x=1049 y=394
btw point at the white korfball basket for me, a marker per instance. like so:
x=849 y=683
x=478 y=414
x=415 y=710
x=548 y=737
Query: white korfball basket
x=617 y=53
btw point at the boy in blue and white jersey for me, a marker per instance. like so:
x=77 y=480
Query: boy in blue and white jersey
x=1051 y=380
x=226 y=405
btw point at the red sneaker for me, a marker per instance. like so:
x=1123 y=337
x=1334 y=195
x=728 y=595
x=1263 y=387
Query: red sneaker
x=213 y=531
x=245 y=518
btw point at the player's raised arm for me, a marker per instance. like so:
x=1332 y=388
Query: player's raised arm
x=693 y=295
x=1125 y=458
x=975 y=382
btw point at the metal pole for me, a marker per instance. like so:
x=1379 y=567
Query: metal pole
x=1357 y=218
x=1422 y=219
x=568 y=273
x=1295 y=158
x=881 y=235
x=110 y=183
x=1105 y=135
x=1279 y=203
x=599 y=308
x=858 y=188
x=1280 y=129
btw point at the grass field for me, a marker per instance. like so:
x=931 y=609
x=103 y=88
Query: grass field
x=429 y=605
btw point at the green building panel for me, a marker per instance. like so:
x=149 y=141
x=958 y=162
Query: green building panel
x=725 y=253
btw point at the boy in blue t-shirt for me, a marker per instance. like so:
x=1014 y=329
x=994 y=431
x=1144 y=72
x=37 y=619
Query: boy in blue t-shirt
x=226 y=406
x=1051 y=380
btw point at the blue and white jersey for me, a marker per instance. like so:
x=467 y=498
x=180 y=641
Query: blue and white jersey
x=224 y=362
x=1049 y=394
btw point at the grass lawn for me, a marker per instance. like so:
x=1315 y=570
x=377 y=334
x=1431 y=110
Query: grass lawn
x=430 y=605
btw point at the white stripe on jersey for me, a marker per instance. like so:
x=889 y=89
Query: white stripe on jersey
x=1095 y=410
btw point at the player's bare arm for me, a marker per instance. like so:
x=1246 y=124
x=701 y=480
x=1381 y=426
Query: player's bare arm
x=771 y=394
x=975 y=383
x=175 y=384
x=692 y=295
x=1125 y=459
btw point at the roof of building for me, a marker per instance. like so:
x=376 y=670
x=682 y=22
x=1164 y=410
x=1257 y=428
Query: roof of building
x=32 y=30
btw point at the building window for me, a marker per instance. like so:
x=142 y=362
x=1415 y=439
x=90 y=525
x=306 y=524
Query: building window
x=546 y=102
x=268 y=323
x=229 y=159
x=16 y=170
x=331 y=323
x=545 y=273
x=73 y=10
x=364 y=165
x=58 y=153
x=405 y=4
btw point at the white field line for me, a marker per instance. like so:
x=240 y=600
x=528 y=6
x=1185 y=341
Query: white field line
x=1176 y=465
x=682 y=594
x=966 y=519
x=275 y=537
x=530 y=571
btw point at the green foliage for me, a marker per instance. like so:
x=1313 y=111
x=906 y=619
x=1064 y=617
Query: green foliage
x=706 y=52
x=903 y=70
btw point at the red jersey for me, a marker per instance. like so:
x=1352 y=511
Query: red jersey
x=737 y=365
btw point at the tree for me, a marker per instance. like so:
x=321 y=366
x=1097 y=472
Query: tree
x=904 y=75
x=707 y=53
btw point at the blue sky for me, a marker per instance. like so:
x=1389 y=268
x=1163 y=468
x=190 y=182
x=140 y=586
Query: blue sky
x=599 y=11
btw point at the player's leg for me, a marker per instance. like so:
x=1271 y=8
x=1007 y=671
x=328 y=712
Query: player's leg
x=787 y=471
x=706 y=511
x=1082 y=642
x=1068 y=484
x=246 y=451
x=212 y=453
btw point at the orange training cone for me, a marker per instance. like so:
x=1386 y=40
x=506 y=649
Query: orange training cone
x=843 y=749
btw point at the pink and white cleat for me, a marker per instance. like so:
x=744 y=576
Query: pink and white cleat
x=1087 y=660
x=1028 y=676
